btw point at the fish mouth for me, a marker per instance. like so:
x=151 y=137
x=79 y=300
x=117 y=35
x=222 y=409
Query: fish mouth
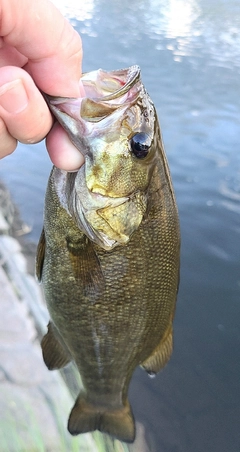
x=117 y=90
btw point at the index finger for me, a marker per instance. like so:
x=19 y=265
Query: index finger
x=39 y=31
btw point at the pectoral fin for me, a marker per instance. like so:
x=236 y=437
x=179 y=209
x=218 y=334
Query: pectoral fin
x=55 y=352
x=40 y=256
x=86 y=266
x=161 y=354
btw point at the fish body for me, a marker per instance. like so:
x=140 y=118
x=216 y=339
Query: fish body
x=108 y=256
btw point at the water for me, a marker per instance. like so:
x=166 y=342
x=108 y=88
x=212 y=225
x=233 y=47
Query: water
x=189 y=54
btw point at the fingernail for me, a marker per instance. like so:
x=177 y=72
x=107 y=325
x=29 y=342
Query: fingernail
x=13 y=97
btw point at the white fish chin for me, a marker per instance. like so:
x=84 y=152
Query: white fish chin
x=86 y=219
x=87 y=208
x=106 y=221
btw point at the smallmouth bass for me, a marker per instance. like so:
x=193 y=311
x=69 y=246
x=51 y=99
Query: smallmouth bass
x=108 y=256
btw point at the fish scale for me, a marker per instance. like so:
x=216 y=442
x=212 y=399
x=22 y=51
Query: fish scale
x=111 y=301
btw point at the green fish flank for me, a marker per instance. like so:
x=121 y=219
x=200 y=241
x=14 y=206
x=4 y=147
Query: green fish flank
x=108 y=256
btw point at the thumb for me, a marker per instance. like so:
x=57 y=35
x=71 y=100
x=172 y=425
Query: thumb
x=22 y=107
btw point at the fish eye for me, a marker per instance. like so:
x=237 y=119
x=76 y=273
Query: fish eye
x=140 y=145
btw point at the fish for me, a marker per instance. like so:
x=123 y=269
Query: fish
x=108 y=256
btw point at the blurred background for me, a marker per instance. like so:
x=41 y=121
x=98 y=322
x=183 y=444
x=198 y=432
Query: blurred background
x=189 y=54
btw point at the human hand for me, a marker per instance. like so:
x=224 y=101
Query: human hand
x=39 y=50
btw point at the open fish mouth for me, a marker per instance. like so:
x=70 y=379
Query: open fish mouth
x=105 y=93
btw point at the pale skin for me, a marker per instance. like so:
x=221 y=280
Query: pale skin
x=39 y=50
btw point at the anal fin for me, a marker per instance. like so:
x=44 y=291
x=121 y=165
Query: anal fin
x=161 y=354
x=54 y=351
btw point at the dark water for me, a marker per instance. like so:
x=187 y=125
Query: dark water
x=189 y=52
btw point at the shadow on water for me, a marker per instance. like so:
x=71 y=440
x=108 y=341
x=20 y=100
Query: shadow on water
x=190 y=60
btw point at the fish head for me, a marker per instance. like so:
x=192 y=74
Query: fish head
x=113 y=126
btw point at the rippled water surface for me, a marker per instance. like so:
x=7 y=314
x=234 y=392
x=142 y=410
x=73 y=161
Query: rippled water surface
x=189 y=52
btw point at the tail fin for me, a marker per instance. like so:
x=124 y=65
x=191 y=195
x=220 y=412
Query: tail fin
x=85 y=417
